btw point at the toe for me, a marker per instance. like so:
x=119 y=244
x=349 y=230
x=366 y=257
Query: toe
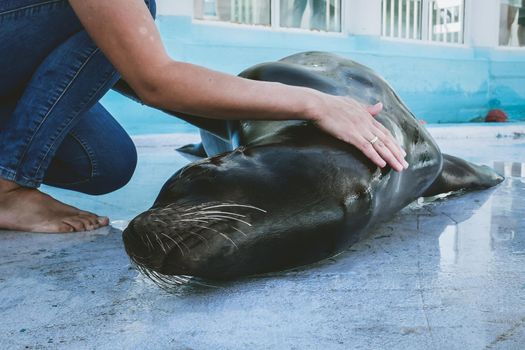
x=103 y=220
x=76 y=223
x=91 y=221
x=99 y=221
x=57 y=227
x=65 y=228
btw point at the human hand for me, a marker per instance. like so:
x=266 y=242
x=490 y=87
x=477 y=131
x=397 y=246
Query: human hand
x=349 y=121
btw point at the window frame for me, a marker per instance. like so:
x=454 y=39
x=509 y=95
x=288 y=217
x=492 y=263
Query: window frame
x=275 y=22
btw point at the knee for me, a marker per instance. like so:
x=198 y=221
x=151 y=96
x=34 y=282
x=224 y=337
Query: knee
x=152 y=6
x=115 y=170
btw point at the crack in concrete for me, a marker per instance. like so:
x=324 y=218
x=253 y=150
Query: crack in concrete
x=420 y=287
x=506 y=335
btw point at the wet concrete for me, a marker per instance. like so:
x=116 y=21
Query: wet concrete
x=446 y=274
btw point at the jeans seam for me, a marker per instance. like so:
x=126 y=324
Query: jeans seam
x=88 y=151
x=53 y=106
x=11 y=175
x=60 y=184
x=71 y=119
x=27 y=7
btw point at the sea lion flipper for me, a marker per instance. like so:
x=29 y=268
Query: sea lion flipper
x=458 y=174
x=192 y=151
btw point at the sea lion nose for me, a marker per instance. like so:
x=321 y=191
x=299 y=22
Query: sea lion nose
x=143 y=245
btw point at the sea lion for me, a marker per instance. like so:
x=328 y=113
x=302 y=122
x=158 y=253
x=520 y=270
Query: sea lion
x=273 y=195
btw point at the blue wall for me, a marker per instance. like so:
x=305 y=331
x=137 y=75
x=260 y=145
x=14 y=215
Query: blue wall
x=439 y=83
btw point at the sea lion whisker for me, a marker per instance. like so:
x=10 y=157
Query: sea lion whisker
x=228 y=217
x=214 y=212
x=181 y=241
x=160 y=243
x=142 y=238
x=234 y=205
x=150 y=243
x=191 y=207
x=166 y=282
x=163 y=210
x=208 y=215
x=201 y=237
x=174 y=241
x=159 y=220
x=220 y=233
x=136 y=257
x=236 y=229
x=194 y=220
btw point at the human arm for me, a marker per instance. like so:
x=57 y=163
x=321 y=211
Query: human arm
x=126 y=33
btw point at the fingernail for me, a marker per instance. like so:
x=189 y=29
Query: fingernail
x=102 y=219
x=405 y=163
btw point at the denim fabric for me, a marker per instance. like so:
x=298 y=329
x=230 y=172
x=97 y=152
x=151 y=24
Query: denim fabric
x=52 y=128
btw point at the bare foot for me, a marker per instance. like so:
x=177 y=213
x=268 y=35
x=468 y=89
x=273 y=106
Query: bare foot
x=27 y=209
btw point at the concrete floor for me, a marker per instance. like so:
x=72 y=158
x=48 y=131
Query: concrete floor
x=447 y=274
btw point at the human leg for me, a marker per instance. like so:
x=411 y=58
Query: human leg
x=521 y=25
x=96 y=157
x=507 y=16
x=62 y=88
x=65 y=86
x=299 y=6
x=319 y=20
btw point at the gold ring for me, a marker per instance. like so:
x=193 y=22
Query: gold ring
x=374 y=140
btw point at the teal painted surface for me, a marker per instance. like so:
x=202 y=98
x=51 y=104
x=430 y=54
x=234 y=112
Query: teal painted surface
x=440 y=84
x=139 y=120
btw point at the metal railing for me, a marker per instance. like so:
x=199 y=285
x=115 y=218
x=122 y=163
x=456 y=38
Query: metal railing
x=247 y=11
x=402 y=19
x=432 y=20
x=446 y=21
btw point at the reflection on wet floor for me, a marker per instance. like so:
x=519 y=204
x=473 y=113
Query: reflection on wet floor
x=494 y=230
x=507 y=169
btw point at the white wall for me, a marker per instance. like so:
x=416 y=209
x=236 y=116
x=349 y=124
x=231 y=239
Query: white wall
x=175 y=7
x=482 y=23
x=363 y=17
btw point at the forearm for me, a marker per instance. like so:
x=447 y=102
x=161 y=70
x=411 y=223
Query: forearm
x=195 y=90
x=127 y=35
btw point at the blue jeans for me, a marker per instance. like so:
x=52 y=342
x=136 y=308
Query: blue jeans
x=53 y=130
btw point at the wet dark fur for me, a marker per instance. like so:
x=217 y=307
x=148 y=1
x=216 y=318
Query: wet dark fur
x=276 y=195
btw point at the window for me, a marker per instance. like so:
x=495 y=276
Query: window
x=311 y=14
x=255 y=12
x=432 y=20
x=321 y=15
x=512 y=23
